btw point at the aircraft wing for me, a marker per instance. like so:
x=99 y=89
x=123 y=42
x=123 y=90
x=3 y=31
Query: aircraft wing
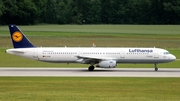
x=90 y=59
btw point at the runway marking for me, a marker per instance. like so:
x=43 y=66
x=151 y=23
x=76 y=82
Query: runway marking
x=83 y=72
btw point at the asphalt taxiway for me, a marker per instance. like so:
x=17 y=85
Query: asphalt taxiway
x=83 y=72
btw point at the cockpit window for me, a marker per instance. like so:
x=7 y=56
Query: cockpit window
x=166 y=53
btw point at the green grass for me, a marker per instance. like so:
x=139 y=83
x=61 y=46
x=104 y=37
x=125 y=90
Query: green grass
x=164 y=36
x=88 y=89
x=126 y=29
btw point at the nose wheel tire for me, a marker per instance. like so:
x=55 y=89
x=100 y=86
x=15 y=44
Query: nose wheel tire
x=156 y=69
x=91 y=68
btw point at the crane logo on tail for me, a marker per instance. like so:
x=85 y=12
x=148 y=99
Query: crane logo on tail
x=17 y=36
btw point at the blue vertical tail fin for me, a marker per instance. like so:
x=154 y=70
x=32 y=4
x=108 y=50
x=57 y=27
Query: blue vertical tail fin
x=19 y=40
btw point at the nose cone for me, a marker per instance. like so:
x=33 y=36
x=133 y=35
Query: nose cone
x=173 y=57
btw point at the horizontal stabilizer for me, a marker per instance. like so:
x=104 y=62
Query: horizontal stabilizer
x=14 y=51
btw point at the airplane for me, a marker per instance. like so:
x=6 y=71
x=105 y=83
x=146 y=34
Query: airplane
x=102 y=57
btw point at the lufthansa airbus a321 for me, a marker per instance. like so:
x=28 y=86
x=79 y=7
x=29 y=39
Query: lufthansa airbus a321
x=95 y=56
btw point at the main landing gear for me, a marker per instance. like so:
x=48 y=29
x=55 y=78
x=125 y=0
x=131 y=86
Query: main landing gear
x=156 y=68
x=91 y=68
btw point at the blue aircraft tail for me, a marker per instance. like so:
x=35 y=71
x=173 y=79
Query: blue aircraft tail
x=19 y=40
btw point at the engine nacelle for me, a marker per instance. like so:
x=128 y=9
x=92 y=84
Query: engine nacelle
x=107 y=64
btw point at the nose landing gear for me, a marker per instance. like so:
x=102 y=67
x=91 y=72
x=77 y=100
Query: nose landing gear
x=156 y=68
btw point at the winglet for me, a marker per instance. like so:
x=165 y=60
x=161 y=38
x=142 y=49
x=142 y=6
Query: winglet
x=19 y=40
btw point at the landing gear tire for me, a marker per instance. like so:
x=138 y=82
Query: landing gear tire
x=156 y=69
x=155 y=65
x=91 y=68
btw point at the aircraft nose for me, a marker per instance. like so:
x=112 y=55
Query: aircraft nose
x=173 y=57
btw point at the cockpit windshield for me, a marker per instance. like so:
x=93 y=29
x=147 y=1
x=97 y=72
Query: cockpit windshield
x=166 y=53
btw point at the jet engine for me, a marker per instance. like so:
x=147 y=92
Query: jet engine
x=107 y=64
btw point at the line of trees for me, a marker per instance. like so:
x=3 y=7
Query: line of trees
x=90 y=11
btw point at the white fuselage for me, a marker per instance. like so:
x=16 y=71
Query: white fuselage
x=74 y=54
